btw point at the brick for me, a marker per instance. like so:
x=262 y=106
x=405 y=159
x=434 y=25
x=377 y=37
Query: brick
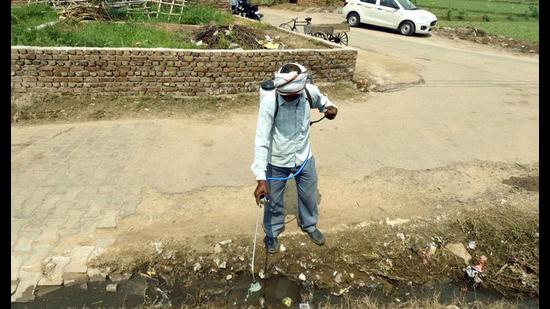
x=53 y=271
x=78 y=258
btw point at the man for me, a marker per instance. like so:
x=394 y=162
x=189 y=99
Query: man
x=282 y=148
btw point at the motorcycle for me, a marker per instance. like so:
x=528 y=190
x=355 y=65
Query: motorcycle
x=249 y=11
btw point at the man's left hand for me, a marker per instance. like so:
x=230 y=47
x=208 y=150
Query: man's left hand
x=331 y=112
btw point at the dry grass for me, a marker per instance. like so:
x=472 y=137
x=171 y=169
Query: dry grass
x=40 y=109
x=433 y=303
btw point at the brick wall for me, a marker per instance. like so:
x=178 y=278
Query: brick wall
x=185 y=72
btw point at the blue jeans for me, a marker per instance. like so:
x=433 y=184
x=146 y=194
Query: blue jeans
x=306 y=185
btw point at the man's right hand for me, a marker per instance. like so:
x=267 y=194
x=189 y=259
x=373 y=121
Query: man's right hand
x=261 y=191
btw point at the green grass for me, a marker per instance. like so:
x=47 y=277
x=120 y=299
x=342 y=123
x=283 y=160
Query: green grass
x=31 y=15
x=478 y=6
x=101 y=34
x=192 y=14
x=138 y=32
x=519 y=30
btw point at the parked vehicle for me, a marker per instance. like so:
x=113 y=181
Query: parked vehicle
x=249 y=11
x=402 y=15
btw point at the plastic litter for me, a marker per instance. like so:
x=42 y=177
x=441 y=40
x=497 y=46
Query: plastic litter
x=475 y=271
x=287 y=301
x=342 y=291
x=472 y=244
x=304 y=306
x=112 y=287
x=401 y=236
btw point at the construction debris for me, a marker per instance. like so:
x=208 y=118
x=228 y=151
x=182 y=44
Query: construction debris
x=107 y=10
x=222 y=36
x=85 y=10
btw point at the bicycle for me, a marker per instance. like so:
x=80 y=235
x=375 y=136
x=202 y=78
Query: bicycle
x=291 y=25
x=332 y=32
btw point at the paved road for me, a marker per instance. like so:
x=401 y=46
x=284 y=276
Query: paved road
x=476 y=102
x=73 y=182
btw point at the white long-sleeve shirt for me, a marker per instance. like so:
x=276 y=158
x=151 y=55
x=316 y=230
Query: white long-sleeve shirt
x=285 y=143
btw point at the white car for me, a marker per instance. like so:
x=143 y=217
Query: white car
x=396 y=14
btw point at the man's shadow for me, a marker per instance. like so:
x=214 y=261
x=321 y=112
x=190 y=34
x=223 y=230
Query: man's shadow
x=291 y=201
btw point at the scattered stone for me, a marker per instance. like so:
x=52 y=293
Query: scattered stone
x=401 y=236
x=472 y=244
x=338 y=278
x=282 y=248
x=261 y=273
x=432 y=249
x=302 y=277
x=218 y=249
x=159 y=246
x=95 y=275
x=95 y=253
x=43 y=290
x=53 y=271
x=120 y=277
x=197 y=266
x=112 y=287
x=397 y=221
x=70 y=279
x=460 y=251
x=25 y=295
x=220 y=265
x=79 y=256
x=229 y=277
x=170 y=254
x=225 y=242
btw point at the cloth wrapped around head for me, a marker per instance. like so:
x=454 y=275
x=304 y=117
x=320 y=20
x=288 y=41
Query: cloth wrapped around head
x=291 y=79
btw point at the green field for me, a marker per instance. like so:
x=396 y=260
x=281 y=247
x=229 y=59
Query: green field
x=525 y=31
x=515 y=19
x=484 y=7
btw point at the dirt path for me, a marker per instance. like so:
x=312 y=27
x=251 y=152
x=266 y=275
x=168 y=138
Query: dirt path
x=470 y=123
x=474 y=105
